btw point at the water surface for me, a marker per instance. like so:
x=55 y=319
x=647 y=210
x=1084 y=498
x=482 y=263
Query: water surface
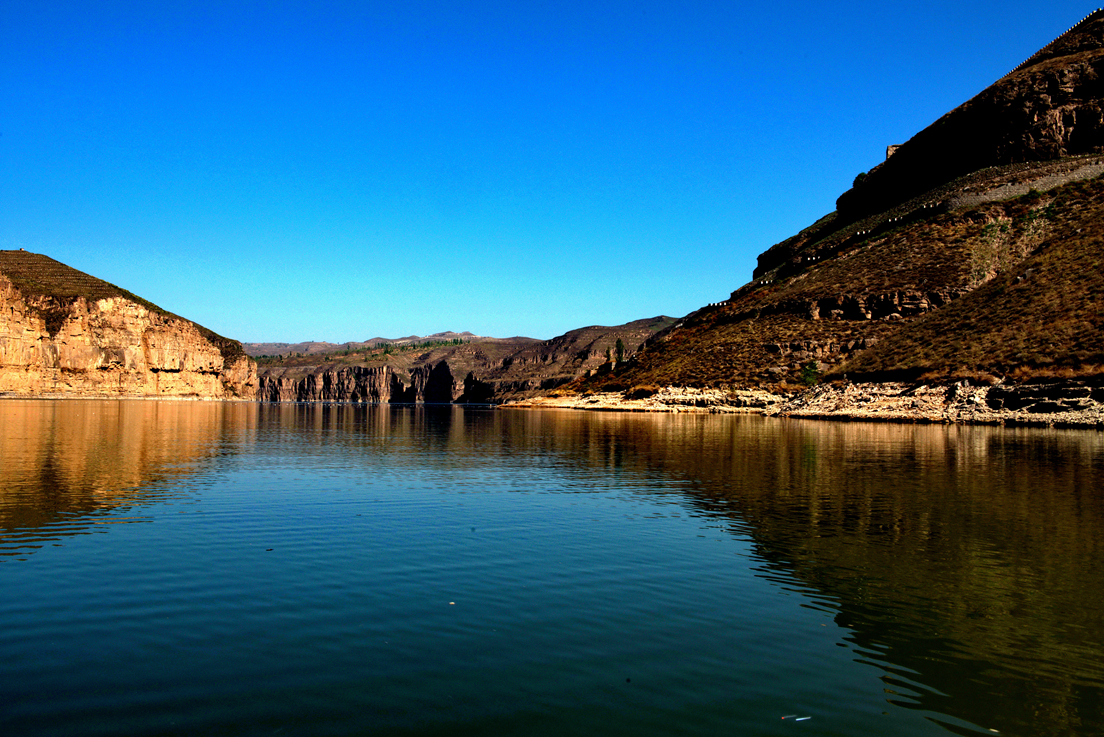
x=208 y=568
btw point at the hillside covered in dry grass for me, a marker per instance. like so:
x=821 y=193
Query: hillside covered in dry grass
x=973 y=252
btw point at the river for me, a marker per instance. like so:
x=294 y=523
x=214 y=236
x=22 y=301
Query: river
x=241 y=569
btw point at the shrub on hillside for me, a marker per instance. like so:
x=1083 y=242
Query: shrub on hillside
x=642 y=391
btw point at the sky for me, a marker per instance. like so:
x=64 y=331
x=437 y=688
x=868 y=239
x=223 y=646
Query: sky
x=291 y=171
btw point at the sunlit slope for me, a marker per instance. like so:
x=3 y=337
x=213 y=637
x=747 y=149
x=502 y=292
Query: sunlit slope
x=53 y=287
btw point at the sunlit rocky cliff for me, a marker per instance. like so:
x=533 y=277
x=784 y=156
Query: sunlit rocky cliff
x=65 y=333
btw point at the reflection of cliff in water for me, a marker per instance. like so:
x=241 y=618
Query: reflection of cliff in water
x=965 y=562
x=69 y=466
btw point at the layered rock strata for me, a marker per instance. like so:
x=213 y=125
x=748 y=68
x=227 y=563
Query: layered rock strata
x=109 y=346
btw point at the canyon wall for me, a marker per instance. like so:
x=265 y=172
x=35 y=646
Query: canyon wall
x=489 y=371
x=373 y=385
x=347 y=384
x=111 y=347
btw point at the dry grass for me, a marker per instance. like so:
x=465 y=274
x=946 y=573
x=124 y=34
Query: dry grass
x=1030 y=269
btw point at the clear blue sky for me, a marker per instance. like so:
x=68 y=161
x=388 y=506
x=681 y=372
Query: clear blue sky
x=290 y=171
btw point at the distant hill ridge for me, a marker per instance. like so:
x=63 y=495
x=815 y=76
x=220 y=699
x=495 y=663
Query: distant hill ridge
x=313 y=347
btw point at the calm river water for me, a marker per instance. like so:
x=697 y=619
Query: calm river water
x=233 y=569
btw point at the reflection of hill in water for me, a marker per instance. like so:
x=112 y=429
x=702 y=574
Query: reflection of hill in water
x=966 y=563
x=71 y=465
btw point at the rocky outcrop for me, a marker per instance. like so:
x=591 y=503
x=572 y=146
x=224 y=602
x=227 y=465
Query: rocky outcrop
x=433 y=384
x=887 y=305
x=1066 y=403
x=666 y=399
x=372 y=385
x=92 y=339
x=1056 y=403
x=111 y=347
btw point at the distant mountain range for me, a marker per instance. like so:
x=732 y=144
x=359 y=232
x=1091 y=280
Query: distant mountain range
x=314 y=347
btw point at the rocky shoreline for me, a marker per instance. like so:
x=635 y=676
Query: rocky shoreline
x=1070 y=403
x=1055 y=403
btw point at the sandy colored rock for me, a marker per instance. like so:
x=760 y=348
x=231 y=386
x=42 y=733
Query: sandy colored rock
x=1060 y=402
x=668 y=399
x=111 y=347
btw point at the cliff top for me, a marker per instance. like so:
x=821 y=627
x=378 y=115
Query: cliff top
x=36 y=275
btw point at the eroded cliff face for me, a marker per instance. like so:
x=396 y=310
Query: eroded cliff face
x=348 y=384
x=490 y=371
x=373 y=385
x=110 y=347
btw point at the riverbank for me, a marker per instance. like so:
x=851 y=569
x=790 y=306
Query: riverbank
x=668 y=399
x=1060 y=403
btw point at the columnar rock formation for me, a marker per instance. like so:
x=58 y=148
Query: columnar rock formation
x=374 y=385
x=489 y=370
x=65 y=333
x=426 y=383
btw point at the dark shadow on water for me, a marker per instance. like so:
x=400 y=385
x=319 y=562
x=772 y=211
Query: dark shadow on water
x=965 y=562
